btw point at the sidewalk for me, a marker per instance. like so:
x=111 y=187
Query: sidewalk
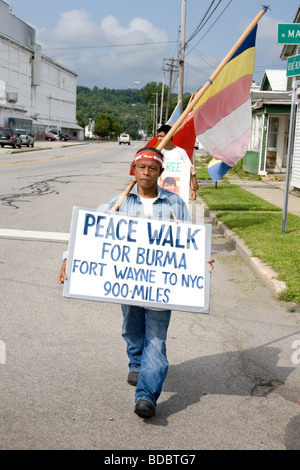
x=42 y=145
x=272 y=191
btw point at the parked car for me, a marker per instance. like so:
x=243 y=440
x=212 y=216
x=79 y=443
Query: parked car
x=50 y=136
x=27 y=137
x=10 y=137
x=60 y=135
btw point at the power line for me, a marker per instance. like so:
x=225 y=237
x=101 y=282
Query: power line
x=209 y=61
x=200 y=26
x=111 y=54
x=210 y=27
x=108 y=45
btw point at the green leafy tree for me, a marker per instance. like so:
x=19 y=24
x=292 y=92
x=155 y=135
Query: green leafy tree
x=124 y=106
x=106 y=126
x=133 y=109
x=81 y=120
x=148 y=92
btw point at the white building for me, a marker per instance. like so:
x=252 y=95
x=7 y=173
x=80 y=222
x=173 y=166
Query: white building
x=35 y=91
x=271 y=104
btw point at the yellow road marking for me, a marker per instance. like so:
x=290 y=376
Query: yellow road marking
x=53 y=158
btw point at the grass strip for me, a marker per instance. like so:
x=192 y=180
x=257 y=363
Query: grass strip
x=262 y=234
x=230 y=197
x=258 y=223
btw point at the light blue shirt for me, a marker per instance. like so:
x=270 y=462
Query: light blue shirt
x=168 y=205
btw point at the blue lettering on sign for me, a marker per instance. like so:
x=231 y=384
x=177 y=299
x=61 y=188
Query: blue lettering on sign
x=89 y=222
x=155 y=236
x=148 y=293
x=110 y=231
x=194 y=281
x=116 y=252
x=172 y=236
x=88 y=267
x=191 y=238
x=122 y=230
x=160 y=258
x=145 y=293
x=140 y=275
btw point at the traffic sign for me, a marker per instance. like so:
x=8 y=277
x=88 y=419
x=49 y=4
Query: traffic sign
x=288 y=33
x=293 y=66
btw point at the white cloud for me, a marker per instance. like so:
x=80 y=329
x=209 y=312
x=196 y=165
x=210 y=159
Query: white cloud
x=137 y=27
x=114 y=59
x=267 y=30
x=75 y=27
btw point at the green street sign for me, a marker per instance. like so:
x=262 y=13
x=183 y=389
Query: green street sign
x=288 y=33
x=293 y=66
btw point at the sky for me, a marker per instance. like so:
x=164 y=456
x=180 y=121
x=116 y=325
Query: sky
x=127 y=43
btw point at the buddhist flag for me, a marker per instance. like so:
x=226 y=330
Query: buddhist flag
x=217 y=169
x=222 y=116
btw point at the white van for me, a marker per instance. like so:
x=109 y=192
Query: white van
x=124 y=139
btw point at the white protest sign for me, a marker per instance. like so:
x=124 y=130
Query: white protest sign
x=176 y=178
x=138 y=261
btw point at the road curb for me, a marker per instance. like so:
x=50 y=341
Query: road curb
x=265 y=272
x=33 y=149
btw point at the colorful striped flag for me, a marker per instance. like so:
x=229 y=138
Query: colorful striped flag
x=217 y=169
x=222 y=116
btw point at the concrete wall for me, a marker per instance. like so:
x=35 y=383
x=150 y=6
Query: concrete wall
x=15 y=28
x=55 y=99
x=15 y=70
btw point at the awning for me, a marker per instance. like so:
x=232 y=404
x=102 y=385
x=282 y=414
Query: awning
x=55 y=124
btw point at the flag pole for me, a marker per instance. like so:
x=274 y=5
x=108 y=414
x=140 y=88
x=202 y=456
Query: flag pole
x=123 y=195
x=197 y=97
x=209 y=82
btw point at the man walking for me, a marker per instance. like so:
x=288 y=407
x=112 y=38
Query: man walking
x=145 y=329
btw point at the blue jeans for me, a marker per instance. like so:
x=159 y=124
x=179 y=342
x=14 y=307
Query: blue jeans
x=145 y=332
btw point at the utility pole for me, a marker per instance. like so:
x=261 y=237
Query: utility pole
x=162 y=100
x=171 y=69
x=181 y=55
x=156 y=110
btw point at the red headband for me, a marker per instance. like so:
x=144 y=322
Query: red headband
x=146 y=156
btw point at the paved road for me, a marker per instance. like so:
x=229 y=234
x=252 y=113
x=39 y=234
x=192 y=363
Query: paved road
x=233 y=381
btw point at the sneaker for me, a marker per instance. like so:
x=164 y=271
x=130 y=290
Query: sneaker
x=144 y=409
x=133 y=378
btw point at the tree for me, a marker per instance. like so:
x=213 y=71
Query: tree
x=82 y=122
x=106 y=126
x=124 y=106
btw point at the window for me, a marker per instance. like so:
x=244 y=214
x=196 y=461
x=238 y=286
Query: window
x=273 y=132
x=256 y=133
x=58 y=77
